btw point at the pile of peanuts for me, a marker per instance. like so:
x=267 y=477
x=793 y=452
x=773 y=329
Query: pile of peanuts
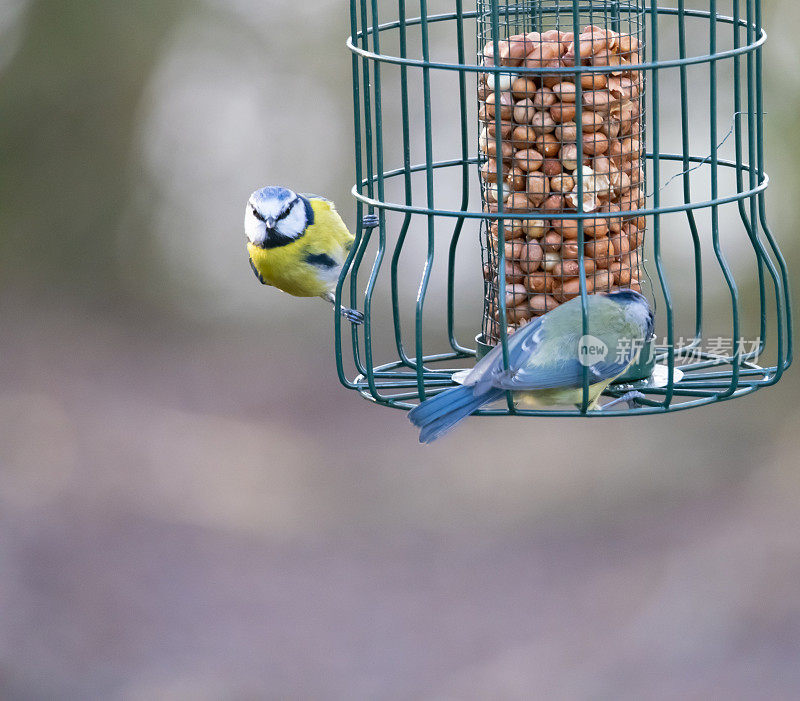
x=538 y=164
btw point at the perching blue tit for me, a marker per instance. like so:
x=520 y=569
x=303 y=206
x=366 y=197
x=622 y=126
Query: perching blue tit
x=546 y=358
x=298 y=243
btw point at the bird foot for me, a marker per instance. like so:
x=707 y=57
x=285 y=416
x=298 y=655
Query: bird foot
x=353 y=315
x=630 y=398
x=370 y=221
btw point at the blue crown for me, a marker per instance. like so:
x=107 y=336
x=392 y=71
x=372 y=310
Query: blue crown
x=272 y=193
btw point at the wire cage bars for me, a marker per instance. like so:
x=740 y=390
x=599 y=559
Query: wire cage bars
x=503 y=147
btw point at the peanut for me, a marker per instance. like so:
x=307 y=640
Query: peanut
x=571 y=288
x=551 y=242
x=562 y=112
x=544 y=98
x=523 y=88
x=524 y=111
x=528 y=160
x=530 y=257
x=515 y=294
x=548 y=145
x=543 y=122
x=538 y=188
x=539 y=282
x=564 y=91
x=540 y=303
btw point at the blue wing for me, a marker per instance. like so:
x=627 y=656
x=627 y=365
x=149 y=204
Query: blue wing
x=521 y=345
x=541 y=360
x=566 y=373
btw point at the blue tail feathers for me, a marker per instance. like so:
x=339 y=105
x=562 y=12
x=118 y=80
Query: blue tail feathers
x=436 y=416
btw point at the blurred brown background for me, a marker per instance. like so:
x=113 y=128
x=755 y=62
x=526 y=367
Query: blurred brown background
x=192 y=507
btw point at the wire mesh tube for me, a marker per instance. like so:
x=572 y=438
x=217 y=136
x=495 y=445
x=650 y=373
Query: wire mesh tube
x=556 y=143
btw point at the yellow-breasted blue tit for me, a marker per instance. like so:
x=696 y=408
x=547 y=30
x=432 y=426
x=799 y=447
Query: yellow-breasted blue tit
x=298 y=243
x=546 y=358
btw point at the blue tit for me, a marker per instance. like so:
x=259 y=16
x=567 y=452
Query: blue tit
x=546 y=358
x=298 y=243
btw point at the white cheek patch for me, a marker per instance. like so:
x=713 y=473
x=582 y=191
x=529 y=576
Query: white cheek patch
x=294 y=223
x=254 y=229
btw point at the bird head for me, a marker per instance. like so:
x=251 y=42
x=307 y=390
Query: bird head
x=636 y=305
x=276 y=216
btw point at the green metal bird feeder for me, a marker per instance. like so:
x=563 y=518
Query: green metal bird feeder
x=521 y=154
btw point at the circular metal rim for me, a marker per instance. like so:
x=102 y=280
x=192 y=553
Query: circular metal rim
x=574 y=413
x=672 y=209
x=442 y=383
x=647 y=66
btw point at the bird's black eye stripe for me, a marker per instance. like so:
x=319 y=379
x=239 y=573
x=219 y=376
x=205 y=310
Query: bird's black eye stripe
x=258 y=214
x=285 y=212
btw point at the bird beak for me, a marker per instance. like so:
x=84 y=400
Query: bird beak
x=270 y=223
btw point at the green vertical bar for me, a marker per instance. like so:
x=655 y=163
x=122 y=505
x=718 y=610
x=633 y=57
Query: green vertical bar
x=359 y=206
x=762 y=206
x=757 y=211
x=576 y=30
x=404 y=118
x=750 y=223
x=787 y=299
x=465 y=178
x=687 y=193
x=501 y=234
x=423 y=287
x=364 y=238
x=662 y=278
x=714 y=139
x=370 y=289
x=752 y=170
